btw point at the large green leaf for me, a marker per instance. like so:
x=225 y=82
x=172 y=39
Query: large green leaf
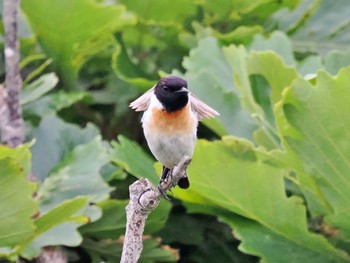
x=210 y=78
x=277 y=42
x=55 y=138
x=76 y=175
x=62 y=218
x=129 y=72
x=16 y=203
x=72 y=31
x=316 y=127
x=289 y=19
x=258 y=98
x=234 y=176
x=325 y=29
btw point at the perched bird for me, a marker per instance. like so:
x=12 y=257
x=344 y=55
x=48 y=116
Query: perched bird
x=170 y=120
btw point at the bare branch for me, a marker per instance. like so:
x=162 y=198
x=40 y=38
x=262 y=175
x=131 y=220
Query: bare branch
x=53 y=255
x=12 y=130
x=144 y=198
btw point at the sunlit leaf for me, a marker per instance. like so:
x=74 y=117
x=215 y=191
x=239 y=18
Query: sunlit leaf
x=249 y=186
x=316 y=127
x=16 y=203
x=61 y=217
x=133 y=159
x=63 y=27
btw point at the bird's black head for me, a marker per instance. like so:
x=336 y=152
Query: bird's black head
x=172 y=92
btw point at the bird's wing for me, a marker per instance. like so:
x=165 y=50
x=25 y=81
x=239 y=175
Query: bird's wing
x=142 y=103
x=202 y=109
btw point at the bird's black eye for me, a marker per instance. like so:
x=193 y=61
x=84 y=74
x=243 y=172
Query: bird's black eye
x=165 y=88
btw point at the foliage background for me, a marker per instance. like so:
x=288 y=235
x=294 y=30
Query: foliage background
x=270 y=177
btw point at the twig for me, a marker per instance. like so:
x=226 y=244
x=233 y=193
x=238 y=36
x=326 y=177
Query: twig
x=53 y=255
x=12 y=126
x=144 y=198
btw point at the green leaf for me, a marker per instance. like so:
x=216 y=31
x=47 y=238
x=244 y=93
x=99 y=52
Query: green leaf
x=113 y=222
x=321 y=32
x=288 y=20
x=255 y=191
x=38 y=88
x=16 y=203
x=277 y=42
x=240 y=35
x=65 y=234
x=55 y=138
x=111 y=225
x=129 y=72
x=210 y=78
x=133 y=159
x=54 y=219
x=208 y=56
x=60 y=214
x=162 y=11
x=52 y=103
x=262 y=242
x=316 y=128
x=335 y=60
x=76 y=175
x=259 y=99
x=110 y=251
x=65 y=28
x=20 y=154
x=152 y=251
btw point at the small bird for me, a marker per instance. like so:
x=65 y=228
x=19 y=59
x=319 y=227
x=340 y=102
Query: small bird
x=170 y=120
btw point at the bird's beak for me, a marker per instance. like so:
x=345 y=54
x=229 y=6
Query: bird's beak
x=183 y=89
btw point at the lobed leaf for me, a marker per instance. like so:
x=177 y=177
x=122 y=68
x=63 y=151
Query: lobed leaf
x=76 y=175
x=316 y=127
x=250 y=186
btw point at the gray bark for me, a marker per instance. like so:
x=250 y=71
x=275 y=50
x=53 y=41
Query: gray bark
x=144 y=198
x=11 y=122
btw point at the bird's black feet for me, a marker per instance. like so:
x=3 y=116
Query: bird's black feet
x=165 y=181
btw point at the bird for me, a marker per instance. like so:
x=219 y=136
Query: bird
x=170 y=120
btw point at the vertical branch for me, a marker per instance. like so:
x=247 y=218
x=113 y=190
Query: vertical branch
x=12 y=124
x=144 y=198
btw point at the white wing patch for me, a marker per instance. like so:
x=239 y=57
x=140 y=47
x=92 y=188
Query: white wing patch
x=142 y=103
x=202 y=109
x=199 y=107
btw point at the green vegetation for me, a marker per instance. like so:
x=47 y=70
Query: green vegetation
x=270 y=176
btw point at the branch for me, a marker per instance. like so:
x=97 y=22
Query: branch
x=144 y=198
x=12 y=126
x=53 y=255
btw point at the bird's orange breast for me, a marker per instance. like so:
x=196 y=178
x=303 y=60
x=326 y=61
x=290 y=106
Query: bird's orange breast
x=181 y=121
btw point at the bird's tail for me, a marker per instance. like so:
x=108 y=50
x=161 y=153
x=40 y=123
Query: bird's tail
x=184 y=182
